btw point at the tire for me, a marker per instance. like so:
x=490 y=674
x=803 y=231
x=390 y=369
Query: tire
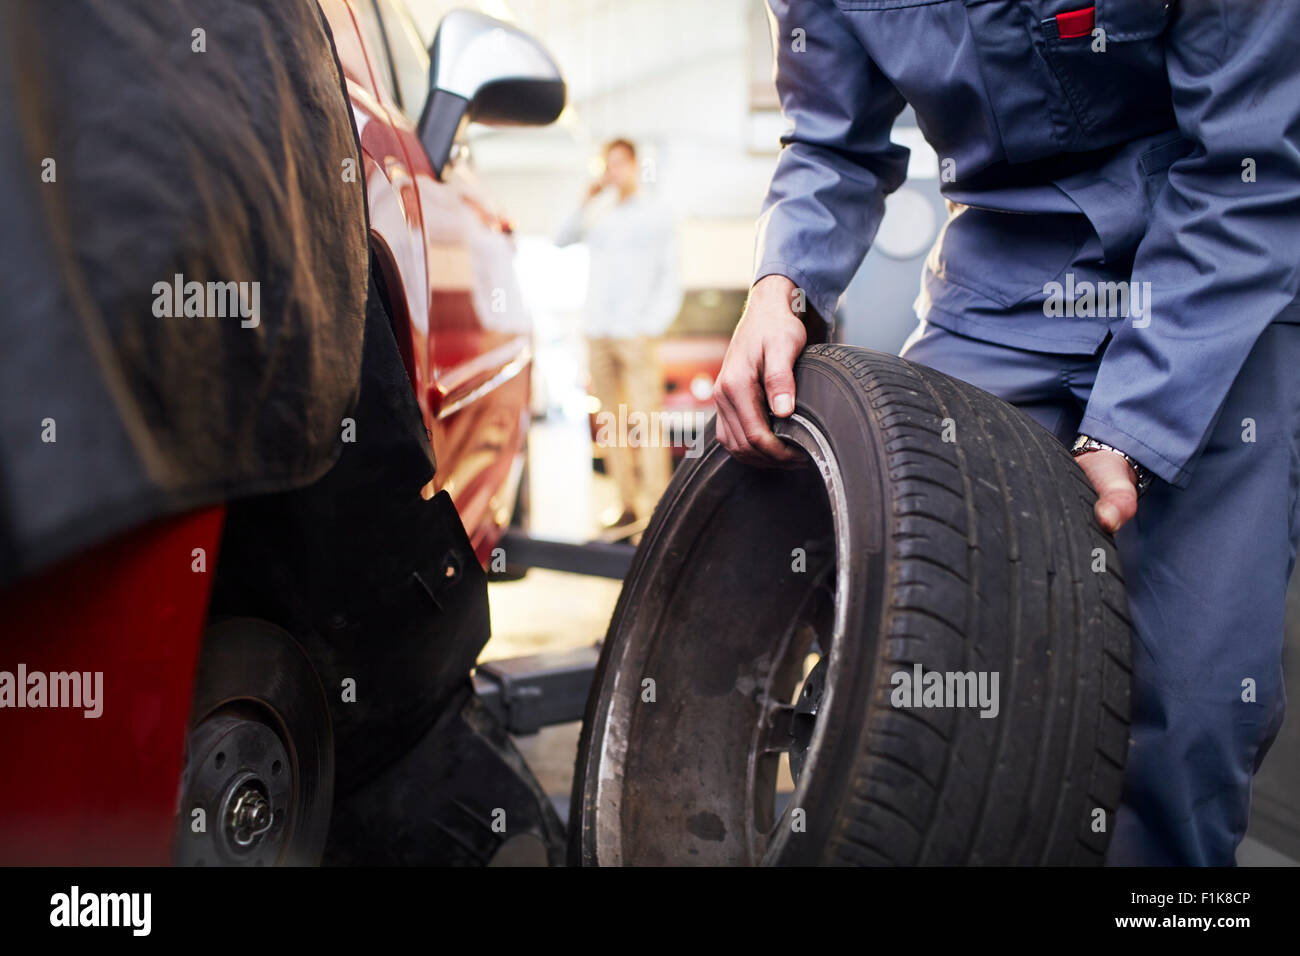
x=259 y=726
x=772 y=616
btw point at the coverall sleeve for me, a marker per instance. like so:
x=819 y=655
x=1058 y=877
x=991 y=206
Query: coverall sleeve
x=1222 y=252
x=837 y=164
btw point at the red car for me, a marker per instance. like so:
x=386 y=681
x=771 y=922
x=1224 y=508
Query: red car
x=446 y=258
x=244 y=633
x=691 y=355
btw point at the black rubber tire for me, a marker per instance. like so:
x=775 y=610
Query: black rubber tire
x=973 y=554
x=256 y=671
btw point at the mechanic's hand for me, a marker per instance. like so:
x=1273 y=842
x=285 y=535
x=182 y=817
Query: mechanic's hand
x=758 y=374
x=1116 y=485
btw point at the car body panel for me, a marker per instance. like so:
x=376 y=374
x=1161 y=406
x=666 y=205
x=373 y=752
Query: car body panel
x=447 y=260
x=99 y=784
x=68 y=770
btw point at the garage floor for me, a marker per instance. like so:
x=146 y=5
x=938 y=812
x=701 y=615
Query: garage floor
x=551 y=611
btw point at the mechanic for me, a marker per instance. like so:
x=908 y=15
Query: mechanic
x=1137 y=142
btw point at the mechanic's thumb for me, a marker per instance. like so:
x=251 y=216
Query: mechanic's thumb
x=1116 y=504
x=778 y=378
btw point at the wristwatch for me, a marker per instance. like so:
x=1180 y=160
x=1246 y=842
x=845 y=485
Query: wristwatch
x=1084 y=443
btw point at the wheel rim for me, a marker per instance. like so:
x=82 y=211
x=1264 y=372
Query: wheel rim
x=700 y=784
x=822 y=622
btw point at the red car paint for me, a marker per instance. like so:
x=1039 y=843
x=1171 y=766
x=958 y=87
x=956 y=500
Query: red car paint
x=691 y=364
x=133 y=610
x=447 y=259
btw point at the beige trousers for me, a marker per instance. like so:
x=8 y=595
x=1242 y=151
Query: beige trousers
x=626 y=372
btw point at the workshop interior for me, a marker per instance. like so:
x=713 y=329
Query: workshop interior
x=380 y=484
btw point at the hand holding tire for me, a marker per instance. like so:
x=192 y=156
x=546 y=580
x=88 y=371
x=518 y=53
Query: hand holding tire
x=1116 y=486
x=758 y=375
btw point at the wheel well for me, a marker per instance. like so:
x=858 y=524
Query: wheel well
x=385 y=278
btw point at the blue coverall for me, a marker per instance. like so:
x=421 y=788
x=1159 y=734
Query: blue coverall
x=1138 y=141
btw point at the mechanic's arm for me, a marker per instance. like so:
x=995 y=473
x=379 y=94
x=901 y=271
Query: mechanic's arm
x=822 y=210
x=1222 y=253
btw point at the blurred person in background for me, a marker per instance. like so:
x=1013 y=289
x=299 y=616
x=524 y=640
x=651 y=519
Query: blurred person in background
x=633 y=294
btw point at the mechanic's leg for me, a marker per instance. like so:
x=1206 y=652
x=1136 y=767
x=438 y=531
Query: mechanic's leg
x=1206 y=570
x=1035 y=382
x=645 y=389
x=605 y=367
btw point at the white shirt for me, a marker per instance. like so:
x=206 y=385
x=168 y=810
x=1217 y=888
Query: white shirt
x=633 y=287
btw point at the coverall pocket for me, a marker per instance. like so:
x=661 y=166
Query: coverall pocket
x=1005 y=257
x=1110 y=65
x=1155 y=165
x=1159 y=158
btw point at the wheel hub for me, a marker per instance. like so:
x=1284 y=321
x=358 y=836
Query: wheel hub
x=250 y=816
x=237 y=796
x=803 y=720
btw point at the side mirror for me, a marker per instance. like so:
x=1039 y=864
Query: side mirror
x=486 y=71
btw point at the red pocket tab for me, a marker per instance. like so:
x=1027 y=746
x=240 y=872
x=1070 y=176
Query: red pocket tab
x=1076 y=23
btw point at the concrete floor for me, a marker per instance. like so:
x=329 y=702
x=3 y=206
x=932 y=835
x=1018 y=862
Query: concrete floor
x=550 y=610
